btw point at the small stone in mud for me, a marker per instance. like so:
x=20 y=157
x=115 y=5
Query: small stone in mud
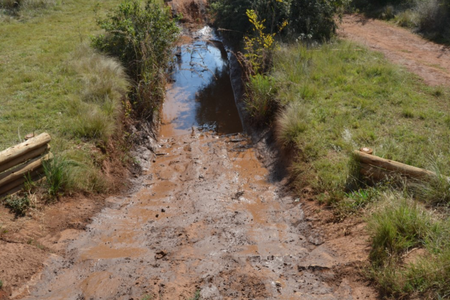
x=163 y=210
x=160 y=254
x=157 y=216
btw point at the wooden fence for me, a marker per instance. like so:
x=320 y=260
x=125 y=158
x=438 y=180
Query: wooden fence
x=23 y=161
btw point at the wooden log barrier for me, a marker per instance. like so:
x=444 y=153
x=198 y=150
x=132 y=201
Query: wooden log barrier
x=24 y=151
x=17 y=183
x=23 y=160
x=21 y=171
x=379 y=168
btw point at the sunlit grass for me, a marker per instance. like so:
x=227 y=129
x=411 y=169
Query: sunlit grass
x=398 y=228
x=51 y=85
x=351 y=97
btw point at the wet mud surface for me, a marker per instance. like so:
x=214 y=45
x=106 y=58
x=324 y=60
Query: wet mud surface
x=205 y=218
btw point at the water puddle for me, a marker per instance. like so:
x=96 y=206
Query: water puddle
x=201 y=94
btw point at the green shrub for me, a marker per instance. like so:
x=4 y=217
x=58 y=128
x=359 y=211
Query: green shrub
x=141 y=36
x=408 y=18
x=231 y=15
x=305 y=17
x=260 y=98
x=314 y=17
x=18 y=204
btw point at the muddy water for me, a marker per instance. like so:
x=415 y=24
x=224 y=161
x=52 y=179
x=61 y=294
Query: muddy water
x=204 y=219
x=201 y=94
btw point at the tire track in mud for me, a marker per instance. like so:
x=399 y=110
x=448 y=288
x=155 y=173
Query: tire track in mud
x=205 y=219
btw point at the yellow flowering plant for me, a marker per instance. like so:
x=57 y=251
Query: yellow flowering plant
x=258 y=47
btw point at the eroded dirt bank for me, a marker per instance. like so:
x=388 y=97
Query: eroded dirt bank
x=422 y=57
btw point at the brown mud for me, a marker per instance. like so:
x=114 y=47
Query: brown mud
x=206 y=219
x=428 y=60
x=26 y=242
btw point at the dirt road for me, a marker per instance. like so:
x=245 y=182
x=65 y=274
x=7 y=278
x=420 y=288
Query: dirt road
x=422 y=57
x=205 y=219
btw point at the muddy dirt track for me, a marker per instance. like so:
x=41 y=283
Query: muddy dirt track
x=205 y=219
x=420 y=56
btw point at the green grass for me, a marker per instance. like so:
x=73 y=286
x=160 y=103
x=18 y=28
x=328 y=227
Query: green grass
x=196 y=295
x=258 y=101
x=339 y=97
x=52 y=82
x=398 y=226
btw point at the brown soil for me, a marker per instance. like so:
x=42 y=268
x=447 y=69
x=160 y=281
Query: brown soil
x=26 y=242
x=205 y=218
x=422 y=57
x=193 y=11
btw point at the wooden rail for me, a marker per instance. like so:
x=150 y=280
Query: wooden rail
x=21 y=161
x=378 y=168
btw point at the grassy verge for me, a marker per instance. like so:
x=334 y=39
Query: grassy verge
x=338 y=97
x=53 y=82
